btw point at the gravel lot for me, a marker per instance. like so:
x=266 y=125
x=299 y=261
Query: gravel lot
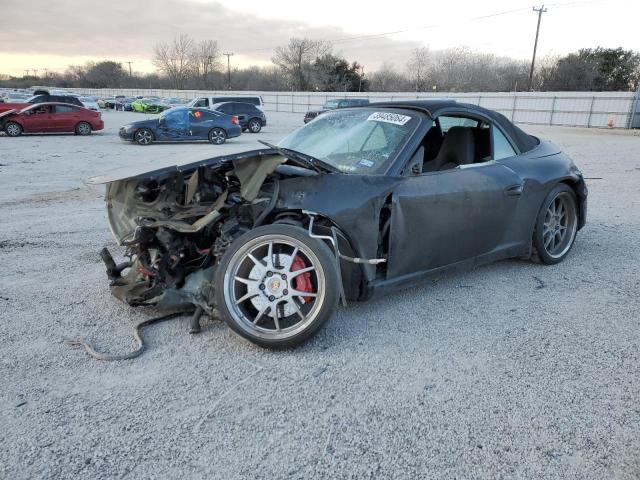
x=514 y=370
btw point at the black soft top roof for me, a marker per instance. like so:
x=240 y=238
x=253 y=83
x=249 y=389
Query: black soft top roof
x=524 y=141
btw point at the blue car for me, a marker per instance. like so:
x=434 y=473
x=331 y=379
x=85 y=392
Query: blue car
x=182 y=124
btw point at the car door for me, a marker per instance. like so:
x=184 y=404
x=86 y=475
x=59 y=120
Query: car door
x=64 y=118
x=38 y=119
x=242 y=112
x=200 y=123
x=444 y=217
x=174 y=125
x=227 y=108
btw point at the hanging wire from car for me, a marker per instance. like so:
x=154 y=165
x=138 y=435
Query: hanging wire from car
x=333 y=239
x=137 y=335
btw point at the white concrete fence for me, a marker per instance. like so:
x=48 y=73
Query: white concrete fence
x=578 y=109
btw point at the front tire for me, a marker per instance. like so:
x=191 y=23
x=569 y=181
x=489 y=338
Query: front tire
x=83 y=128
x=217 y=136
x=276 y=286
x=556 y=225
x=144 y=136
x=254 y=125
x=13 y=129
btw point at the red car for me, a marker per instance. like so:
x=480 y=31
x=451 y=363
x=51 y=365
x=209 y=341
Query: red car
x=50 y=117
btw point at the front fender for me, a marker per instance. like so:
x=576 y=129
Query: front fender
x=351 y=202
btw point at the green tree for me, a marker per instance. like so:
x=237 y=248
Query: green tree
x=335 y=74
x=618 y=69
x=104 y=74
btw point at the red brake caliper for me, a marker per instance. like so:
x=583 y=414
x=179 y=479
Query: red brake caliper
x=303 y=281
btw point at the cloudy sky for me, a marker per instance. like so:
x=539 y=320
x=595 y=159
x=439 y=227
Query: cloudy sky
x=45 y=34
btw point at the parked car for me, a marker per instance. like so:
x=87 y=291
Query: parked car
x=90 y=103
x=43 y=98
x=50 y=117
x=181 y=124
x=251 y=117
x=333 y=104
x=149 y=105
x=12 y=97
x=173 y=101
x=396 y=192
x=71 y=99
x=115 y=102
x=206 y=102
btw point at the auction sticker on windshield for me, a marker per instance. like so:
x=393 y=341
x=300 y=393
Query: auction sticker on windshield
x=366 y=163
x=389 y=117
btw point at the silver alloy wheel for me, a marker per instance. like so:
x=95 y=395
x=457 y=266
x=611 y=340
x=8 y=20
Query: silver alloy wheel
x=13 y=129
x=254 y=126
x=84 y=128
x=217 y=136
x=560 y=225
x=260 y=287
x=144 y=137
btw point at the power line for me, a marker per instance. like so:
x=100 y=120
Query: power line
x=427 y=27
x=540 y=11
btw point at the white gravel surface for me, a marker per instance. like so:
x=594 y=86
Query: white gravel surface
x=514 y=370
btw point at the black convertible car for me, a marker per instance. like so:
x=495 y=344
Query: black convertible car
x=359 y=201
x=181 y=124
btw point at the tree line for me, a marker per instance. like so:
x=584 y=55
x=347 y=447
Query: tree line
x=310 y=65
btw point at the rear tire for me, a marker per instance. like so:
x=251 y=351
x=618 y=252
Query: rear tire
x=254 y=125
x=83 y=128
x=13 y=129
x=217 y=136
x=556 y=225
x=260 y=295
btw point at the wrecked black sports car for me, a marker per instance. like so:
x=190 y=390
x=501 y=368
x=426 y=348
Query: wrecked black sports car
x=359 y=201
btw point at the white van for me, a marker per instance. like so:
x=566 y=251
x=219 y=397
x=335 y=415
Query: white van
x=206 y=102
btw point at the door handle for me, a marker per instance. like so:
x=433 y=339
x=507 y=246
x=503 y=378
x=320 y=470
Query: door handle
x=514 y=190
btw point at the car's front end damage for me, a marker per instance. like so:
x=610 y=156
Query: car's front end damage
x=6 y=115
x=175 y=224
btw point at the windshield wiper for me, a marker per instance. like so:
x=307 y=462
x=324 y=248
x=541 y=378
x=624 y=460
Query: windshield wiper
x=307 y=160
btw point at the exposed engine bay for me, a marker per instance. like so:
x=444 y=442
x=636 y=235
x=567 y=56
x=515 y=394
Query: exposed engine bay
x=176 y=226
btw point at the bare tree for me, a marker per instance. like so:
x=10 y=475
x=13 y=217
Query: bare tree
x=296 y=60
x=76 y=73
x=205 y=57
x=388 y=79
x=418 y=67
x=175 y=59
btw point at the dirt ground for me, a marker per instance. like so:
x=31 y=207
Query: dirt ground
x=514 y=370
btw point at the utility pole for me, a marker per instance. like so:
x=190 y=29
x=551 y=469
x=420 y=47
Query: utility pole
x=361 y=75
x=540 y=11
x=228 y=55
x=129 y=68
x=206 y=70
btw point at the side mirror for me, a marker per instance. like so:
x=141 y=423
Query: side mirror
x=161 y=121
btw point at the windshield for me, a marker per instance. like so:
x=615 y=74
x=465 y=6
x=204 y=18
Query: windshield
x=363 y=140
x=331 y=104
